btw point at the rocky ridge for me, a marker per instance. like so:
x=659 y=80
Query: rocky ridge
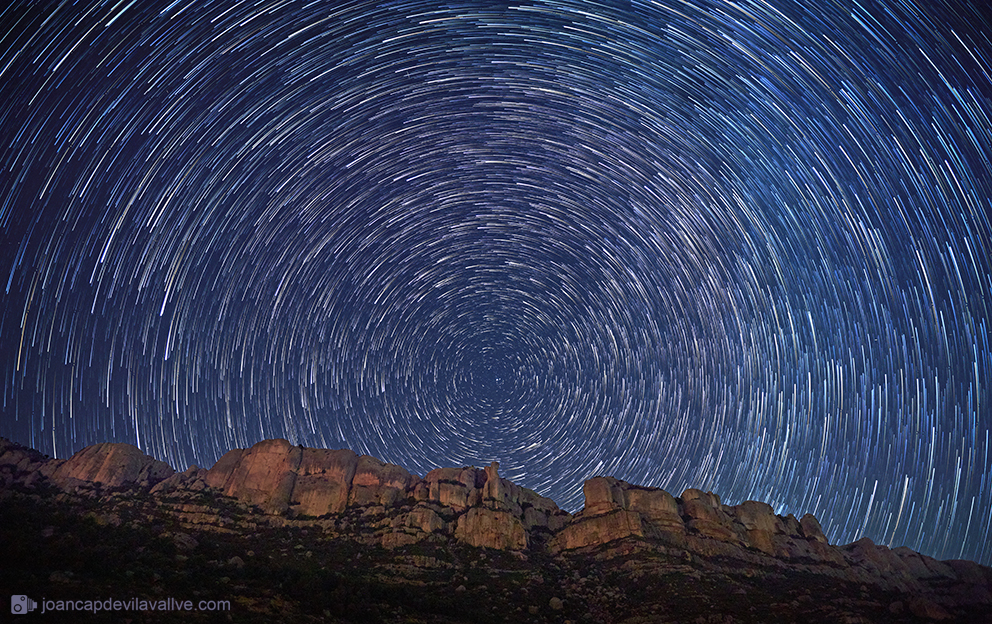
x=344 y=496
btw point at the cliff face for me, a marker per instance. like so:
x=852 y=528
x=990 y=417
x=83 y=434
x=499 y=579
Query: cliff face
x=293 y=482
x=615 y=509
x=359 y=498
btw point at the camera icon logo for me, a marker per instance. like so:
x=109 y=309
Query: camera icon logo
x=21 y=604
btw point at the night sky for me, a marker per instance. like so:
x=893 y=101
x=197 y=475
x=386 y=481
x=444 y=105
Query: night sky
x=738 y=246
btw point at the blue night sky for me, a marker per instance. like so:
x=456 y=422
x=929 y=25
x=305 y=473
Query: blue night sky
x=738 y=246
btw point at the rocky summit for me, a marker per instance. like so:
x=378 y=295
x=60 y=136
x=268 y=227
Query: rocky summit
x=279 y=532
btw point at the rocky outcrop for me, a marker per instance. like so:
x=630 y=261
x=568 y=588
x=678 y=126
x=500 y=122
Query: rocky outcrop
x=110 y=464
x=458 y=488
x=696 y=521
x=278 y=477
x=192 y=479
x=263 y=475
x=322 y=481
x=282 y=479
x=707 y=517
x=491 y=528
x=378 y=483
x=24 y=466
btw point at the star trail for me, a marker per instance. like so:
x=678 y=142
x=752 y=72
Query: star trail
x=738 y=246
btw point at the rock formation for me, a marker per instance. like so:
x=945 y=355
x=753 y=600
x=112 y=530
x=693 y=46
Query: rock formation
x=362 y=499
x=110 y=464
x=696 y=520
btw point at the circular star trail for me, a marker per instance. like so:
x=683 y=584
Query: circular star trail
x=738 y=246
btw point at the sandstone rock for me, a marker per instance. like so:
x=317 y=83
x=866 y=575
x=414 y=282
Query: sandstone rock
x=708 y=499
x=603 y=495
x=263 y=475
x=220 y=473
x=382 y=505
x=18 y=458
x=276 y=476
x=938 y=569
x=915 y=565
x=789 y=526
x=707 y=517
x=656 y=506
x=192 y=479
x=376 y=482
x=534 y=518
x=615 y=509
x=323 y=481
x=598 y=529
x=811 y=528
x=111 y=464
x=397 y=539
x=876 y=559
x=973 y=582
x=458 y=488
x=23 y=465
x=493 y=488
x=491 y=528
x=536 y=512
x=756 y=516
x=965 y=571
x=760 y=525
x=422 y=518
